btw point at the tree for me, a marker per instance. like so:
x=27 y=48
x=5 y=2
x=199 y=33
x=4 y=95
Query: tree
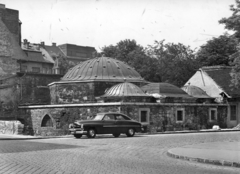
x=134 y=55
x=235 y=73
x=160 y=62
x=217 y=51
x=63 y=64
x=122 y=50
x=176 y=62
x=233 y=22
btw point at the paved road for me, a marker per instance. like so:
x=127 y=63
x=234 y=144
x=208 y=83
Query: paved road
x=105 y=154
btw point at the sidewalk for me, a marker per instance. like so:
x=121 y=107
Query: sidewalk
x=28 y=137
x=217 y=153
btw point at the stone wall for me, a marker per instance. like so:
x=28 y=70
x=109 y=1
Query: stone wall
x=34 y=88
x=23 y=89
x=10 y=18
x=60 y=117
x=85 y=92
x=196 y=116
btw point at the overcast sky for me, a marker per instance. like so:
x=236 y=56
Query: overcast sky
x=100 y=23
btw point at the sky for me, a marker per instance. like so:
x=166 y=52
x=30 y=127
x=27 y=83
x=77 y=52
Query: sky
x=100 y=23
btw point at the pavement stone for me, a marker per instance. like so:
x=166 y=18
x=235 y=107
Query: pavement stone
x=106 y=154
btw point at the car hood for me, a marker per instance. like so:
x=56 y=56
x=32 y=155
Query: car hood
x=85 y=121
x=95 y=121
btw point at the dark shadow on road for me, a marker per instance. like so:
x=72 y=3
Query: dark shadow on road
x=108 y=137
x=28 y=146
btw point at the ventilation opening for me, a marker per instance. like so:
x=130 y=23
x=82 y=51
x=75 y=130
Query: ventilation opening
x=47 y=121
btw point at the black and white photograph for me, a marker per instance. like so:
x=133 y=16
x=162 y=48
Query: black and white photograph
x=119 y=86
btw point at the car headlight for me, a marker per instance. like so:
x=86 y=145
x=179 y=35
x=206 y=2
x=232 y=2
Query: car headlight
x=70 y=126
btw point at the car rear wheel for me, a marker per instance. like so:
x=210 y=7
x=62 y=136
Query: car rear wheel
x=116 y=135
x=77 y=135
x=91 y=133
x=130 y=132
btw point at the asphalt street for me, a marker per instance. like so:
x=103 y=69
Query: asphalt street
x=106 y=154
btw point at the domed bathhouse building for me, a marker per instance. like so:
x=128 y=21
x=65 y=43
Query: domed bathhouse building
x=109 y=85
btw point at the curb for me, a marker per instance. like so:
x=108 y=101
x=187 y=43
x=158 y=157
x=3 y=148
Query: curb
x=14 y=137
x=192 y=131
x=207 y=161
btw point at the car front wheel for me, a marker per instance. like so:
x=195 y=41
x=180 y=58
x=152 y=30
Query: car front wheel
x=116 y=135
x=77 y=135
x=130 y=132
x=91 y=133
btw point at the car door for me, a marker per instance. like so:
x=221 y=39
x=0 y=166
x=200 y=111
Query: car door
x=122 y=123
x=109 y=124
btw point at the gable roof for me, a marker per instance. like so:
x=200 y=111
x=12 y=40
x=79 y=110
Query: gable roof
x=34 y=53
x=222 y=77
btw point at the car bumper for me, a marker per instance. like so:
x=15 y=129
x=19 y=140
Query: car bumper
x=77 y=131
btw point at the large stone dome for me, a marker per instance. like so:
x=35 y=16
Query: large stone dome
x=103 y=69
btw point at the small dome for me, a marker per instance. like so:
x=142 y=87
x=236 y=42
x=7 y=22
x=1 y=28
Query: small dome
x=103 y=69
x=125 y=90
x=164 y=89
x=195 y=91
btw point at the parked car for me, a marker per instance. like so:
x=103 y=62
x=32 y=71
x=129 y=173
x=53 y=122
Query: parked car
x=106 y=123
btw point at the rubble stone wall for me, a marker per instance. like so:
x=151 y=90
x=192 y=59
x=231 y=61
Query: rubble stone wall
x=195 y=118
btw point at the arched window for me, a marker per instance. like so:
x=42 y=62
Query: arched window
x=47 y=121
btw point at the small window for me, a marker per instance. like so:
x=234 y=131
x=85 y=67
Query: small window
x=212 y=114
x=47 y=121
x=144 y=116
x=121 y=117
x=233 y=112
x=109 y=117
x=180 y=115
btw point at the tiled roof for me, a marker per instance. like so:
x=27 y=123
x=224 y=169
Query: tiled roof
x=35 y=56
x=125 y=90
x=103 y=69
x=221 y=75
x=34 y=53
x=165 y=89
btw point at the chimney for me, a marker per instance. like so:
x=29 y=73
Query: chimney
x=42 y=44
x=25 y=41
x=2 y=6
x=54 y=44
x=28 y=45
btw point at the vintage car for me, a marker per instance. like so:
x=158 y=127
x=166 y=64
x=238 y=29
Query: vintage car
x=105 y=123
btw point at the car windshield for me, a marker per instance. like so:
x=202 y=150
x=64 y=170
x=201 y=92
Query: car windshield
x=98 y=117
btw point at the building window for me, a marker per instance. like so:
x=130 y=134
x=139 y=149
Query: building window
x=180 y=115
x=36 y=69
x=47 y=121
x=233 y=112
x=212 y=114
x=144 y=115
